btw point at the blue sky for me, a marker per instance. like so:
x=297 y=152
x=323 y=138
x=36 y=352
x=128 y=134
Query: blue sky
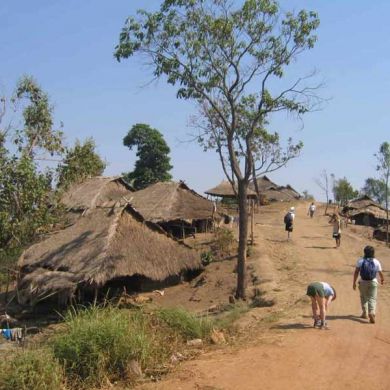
x=68 y=47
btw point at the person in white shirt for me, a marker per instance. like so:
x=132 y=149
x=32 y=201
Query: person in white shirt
x=289 y=221
x=321 y=295
x=312 y=209
x=368 y=267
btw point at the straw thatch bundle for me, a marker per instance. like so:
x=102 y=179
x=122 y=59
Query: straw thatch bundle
x=225 y=190
x=101 y=246
x=98 y=191
x=169 y=201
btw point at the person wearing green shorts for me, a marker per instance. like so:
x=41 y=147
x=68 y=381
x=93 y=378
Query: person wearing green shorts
x=321 y=294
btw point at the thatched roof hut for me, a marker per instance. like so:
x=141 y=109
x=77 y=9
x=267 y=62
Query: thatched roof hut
x=169 y=201
x=225 y=190
x=99 y=191
x=103 y=245
x=264 y=183
x=362 y=202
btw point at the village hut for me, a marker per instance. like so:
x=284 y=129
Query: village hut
x=272 y=192
x=106 y=248
x=175 y=207
x=263 y=183
x=365 y=211
x=225 y=190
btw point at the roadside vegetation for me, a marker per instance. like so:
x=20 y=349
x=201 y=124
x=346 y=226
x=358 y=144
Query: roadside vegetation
x=100 y=345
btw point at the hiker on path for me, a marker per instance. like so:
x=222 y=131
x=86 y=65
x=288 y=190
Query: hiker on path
x=336 y=222
x=321 y=294
x=312 y=209
x=368 y=267
x=289 y=221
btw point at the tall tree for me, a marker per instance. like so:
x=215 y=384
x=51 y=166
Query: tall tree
x=153 y=164
x=344 y=191
x=25 y=208
x=383 y=158
x=227 y=58
x=375 y=189
x=80 y=162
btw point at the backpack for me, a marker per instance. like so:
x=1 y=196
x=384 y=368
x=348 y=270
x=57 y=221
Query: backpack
x=288 y=218
x=368 y=269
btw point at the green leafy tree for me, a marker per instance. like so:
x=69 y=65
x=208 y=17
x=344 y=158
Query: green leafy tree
x=24 y=201
x=25 y=191
x=375 y=189
x=80 y=163
x=383 y=159
x=229 y=59
x=153 y=164
x=38 y=133
x=344 y=191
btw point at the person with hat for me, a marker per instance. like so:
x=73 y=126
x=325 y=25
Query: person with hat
x=368 y=267
x=289 y=221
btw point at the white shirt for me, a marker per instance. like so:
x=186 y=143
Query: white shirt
x=312 y=207
x=376 y=262
x=328 y=289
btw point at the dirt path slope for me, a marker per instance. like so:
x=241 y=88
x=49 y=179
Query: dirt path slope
x=289 y=353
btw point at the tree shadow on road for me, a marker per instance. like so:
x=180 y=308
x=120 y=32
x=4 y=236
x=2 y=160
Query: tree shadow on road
x=320 y=247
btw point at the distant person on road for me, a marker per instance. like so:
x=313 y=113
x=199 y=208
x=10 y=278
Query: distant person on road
x=289 y=221
x=312 y=209
x=336 y=222
x=321 y=294
x=368 y=267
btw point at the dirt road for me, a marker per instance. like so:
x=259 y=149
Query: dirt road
x=286 y=352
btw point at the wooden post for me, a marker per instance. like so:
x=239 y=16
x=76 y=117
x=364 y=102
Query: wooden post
x=252 y=222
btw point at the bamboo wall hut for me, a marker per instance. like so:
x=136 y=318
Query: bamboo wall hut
x=103 y=248
x=175 y=207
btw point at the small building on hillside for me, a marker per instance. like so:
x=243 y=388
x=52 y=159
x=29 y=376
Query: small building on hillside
x=365 y=211
x=105 y=249
x=178 y=209
x=272 y=192
x=225 y=190
x=99 y=191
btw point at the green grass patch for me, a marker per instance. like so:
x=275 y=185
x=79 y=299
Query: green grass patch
x=227 y=318
x=187 y=324
x=99 y=343
x=31 y=370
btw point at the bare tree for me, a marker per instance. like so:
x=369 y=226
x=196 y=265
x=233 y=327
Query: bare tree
x=323 y=182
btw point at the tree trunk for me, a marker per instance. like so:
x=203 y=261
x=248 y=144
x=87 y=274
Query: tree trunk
x=387 y=210
x=243 y=237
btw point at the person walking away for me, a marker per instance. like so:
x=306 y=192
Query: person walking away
x=336 y=222
x=321 y=295
x=312 y=209
x=368 y=267
x=289 y=221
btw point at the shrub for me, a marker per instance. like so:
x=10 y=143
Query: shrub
x=99 y=343
x=187 y=324
x=31 y=370
x=224 y=240
x=207 y=258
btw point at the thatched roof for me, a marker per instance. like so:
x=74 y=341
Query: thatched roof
x=98 y=191
x=169 y=201
x=264 y=183
x=289 y=192
x=224 y=189
x=273 y=195
x=361 y=203
x=102 y=245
